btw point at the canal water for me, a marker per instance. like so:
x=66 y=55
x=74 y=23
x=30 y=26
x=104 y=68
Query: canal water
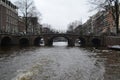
x=59 y=63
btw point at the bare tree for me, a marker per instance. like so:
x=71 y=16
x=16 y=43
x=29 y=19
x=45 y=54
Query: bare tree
x=109 y=5
x=27 y=9
x=70 y=29
x=73 y=25
x=34 y=12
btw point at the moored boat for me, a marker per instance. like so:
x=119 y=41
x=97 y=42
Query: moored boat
x=114 y=47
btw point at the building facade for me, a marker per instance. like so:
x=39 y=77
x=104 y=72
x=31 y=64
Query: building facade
x=78 y=30
x=87 y=27
x=21 y=26
x=33 y=26
x=8 y=17
x=101 y=23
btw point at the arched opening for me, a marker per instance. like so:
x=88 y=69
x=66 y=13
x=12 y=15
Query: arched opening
x=24 y=42
x=77 y=42
x=38 y=41
x=96 y=42
x=59 y=41
x=6 y=41
x=82 y=41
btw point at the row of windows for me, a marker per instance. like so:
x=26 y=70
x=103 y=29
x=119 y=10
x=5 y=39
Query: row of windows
x=11 y=20
x=11 y=13
x=11 y=29
x=8 y=3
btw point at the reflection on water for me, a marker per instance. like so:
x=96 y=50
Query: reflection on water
x=58 y=63
x=60 y=44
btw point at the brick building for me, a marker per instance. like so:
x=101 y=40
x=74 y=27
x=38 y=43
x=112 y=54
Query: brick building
x=21 y=26
x=46 y=30
x=88 y=27
x=99 y=24
x=33 y=26
x=8 y=17
x=111 y=22
x=78 y=30
x=106 y=25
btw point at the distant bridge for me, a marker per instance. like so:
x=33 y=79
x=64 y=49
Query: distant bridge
x=7 y=39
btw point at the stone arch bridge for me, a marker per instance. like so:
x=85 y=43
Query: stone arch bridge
x=6 y=39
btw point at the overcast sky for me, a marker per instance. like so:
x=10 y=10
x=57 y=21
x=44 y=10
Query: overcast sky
x=59 y=13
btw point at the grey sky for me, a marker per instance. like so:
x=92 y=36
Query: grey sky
x=59 y=13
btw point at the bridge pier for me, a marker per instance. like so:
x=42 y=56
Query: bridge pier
x=47 y=42
x=71 y=42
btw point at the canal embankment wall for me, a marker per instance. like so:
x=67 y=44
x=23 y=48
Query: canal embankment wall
x=112 y=40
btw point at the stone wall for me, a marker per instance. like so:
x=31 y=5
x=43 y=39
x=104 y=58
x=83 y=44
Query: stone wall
x=112 y=40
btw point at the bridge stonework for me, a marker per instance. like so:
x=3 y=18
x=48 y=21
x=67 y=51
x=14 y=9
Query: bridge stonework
x=15 y=40
x=6 y=39
x=48 y=38
x=112 y=40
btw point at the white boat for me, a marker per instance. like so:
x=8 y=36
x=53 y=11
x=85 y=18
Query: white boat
x=114 y=47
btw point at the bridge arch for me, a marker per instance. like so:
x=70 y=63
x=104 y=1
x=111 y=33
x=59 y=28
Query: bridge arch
x=37 y=41
x=50 y=40
x=24 y=41
x=82 y=41
x=6 y=41
x=96 y=42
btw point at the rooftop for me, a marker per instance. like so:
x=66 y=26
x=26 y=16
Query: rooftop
x=9 y=3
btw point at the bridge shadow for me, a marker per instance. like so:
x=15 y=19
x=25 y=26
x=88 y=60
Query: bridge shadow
x=96 y=42
x=24 y=42
x=38 y=41
x=6 y=41
x=82 y=42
